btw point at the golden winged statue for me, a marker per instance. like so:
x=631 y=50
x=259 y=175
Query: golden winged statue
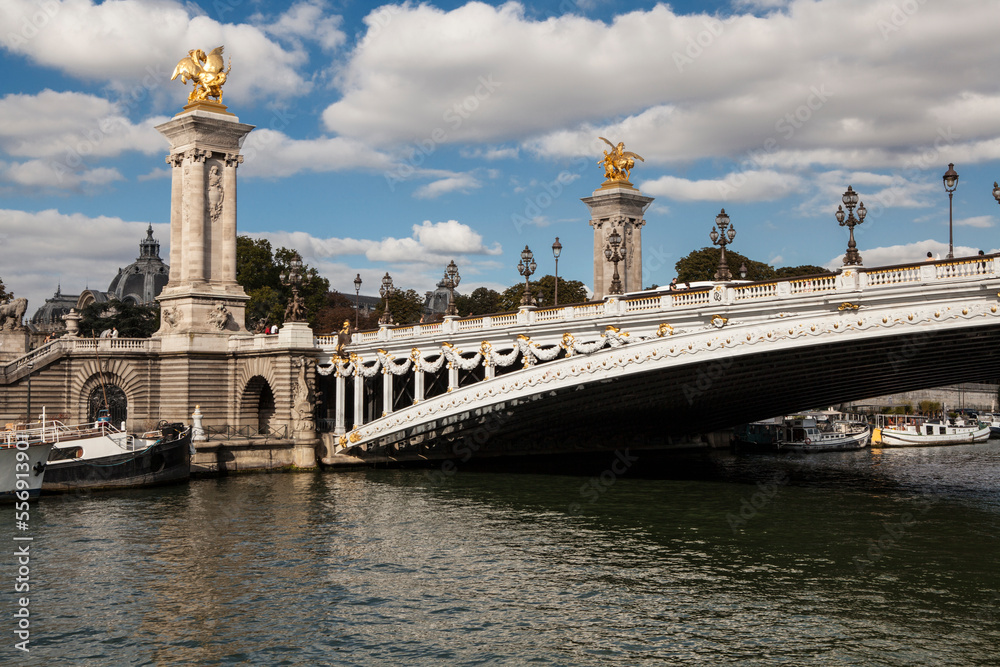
x=619 y=162
x=206 y=72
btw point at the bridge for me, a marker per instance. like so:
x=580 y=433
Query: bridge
x=647 y=370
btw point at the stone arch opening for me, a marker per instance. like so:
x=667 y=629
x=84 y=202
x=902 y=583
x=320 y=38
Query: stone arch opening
x=108 y=396
x=257 y=406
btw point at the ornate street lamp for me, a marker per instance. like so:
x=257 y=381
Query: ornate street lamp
x=722 y=240
x=850 y=199
x=613 y=253
x=950 y=183
x=386 y=291
x=292 y=277
x=743 y=271
x=556 y=251
x=996 y=191
x=526 y=267
x=451 y=281
x=357 y=299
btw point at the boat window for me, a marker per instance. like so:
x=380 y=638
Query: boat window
x=942 y=430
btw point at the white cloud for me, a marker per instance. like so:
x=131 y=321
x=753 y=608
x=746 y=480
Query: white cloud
x=101 y=245
x=460 y=183
x=130 y=44
x=305 y=20
x=272 y=154
x=904 y=254
x=980 y=221
x=740 y=186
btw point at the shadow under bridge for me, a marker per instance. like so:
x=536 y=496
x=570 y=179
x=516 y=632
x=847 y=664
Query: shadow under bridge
x=653 y=391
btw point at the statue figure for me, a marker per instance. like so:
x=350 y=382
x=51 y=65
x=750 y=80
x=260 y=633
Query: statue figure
x=218 y=317
x=302 y=403
x=11 y=314
x=206 y=73
x=619 y=162
x=170 y=317
x=343 y=339
x=215 y=193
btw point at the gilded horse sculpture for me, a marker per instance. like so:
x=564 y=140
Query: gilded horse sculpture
x=206 y=73
x=619 y=162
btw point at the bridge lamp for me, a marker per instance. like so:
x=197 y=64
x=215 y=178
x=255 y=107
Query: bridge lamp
x=556 y=251
x=292 y=277
x=613 y=253
x=850 y=199
x=526 y=267
x=723 y=239
x=996 y=193
x=451 y=280
x=743 y=271
x=386 y=291
x=950 y=183
x=357 y=299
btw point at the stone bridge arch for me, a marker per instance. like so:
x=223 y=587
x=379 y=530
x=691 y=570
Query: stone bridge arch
x=257 y=396
x=113 y=373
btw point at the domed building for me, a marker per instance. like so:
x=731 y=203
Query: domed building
x=139 y=283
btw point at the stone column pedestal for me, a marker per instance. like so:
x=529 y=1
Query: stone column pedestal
x=618 y=206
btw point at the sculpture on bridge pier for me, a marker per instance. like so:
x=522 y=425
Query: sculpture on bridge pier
x=12 y=314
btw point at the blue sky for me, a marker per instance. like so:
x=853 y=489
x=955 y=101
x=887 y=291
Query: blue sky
x=398 y=137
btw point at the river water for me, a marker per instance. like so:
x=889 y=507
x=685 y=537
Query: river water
x=877 y=557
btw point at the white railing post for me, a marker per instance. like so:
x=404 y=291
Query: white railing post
x=524 y=314
x=783 y=290
x=340 y=412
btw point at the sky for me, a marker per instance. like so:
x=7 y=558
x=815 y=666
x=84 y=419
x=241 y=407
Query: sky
x=395 y=138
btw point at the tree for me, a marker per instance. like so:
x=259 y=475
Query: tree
x=702 y=265
x=4 y=294
x=338 y=309
x=406 y=307
x=482 y=301
x=131 y=320
x=259 y=270
x=543 y=291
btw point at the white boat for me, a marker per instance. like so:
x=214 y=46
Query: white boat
x=801 y=433
x=917 y=431
x=96 y=455
x=22 y=466
x=992 y=420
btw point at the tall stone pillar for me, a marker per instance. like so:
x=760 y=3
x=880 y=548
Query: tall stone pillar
x=202 y=304
x=617 y=205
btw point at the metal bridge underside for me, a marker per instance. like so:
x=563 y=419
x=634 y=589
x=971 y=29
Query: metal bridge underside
x=652 y=410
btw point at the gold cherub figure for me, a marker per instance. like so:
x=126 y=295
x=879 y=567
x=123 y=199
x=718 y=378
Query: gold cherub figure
x=206 y=72
x=619 y=162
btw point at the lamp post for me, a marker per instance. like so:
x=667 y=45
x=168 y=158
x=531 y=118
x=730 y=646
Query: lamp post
x=386 y=291
x=950 y=183
x=357 y=299
x=613 y=253
x=31 y=366
x=743 y=271
x=526 y=267
x=556 y=251
x=850 y=199
x=451 y=280
x=292 y=277
x=722 y=240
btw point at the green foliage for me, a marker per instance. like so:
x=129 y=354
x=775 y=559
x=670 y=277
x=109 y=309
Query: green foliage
x=131 y=320
x=259 y=271
x=406 y=307
x=702 y=265
x=482 y=301
x=543 y=291
x=928 y=407
x=4 y=294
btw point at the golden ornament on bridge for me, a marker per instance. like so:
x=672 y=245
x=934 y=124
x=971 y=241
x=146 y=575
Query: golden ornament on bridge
x=618 y=163
x=206 y=72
